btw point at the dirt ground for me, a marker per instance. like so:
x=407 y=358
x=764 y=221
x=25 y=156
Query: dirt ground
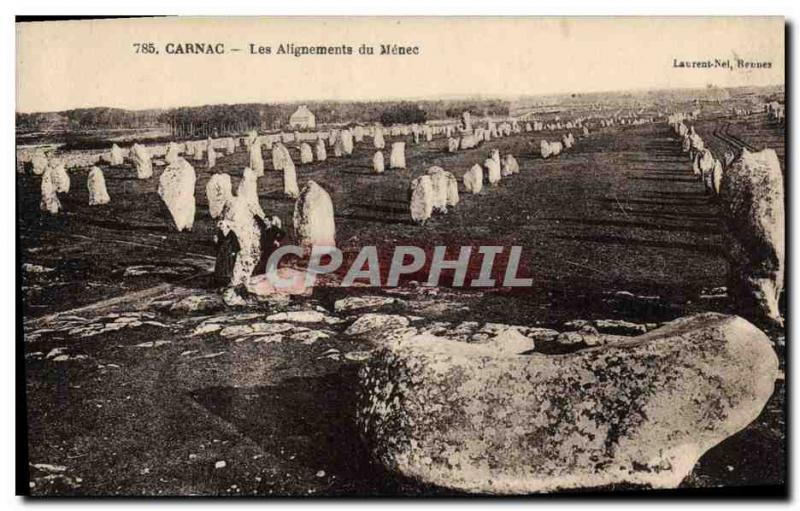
x=615 y=228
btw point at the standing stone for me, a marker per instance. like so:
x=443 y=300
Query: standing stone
x=256 y=159
x=544 y=149
x=466 y=122
x=452 y=190
x=199 y=150
x=752 y=199
x=440 y=185
x=358 y=133
x=39 y=163
x=473 y=179
x=96 y=184
x=141 y=160
x=173 y=152
x=338 y=147
x=716 y=176
x=452 y=145
x=248 y=188
x=422 y=197
x=474 y=418
x=397 y=158
x=49 y=202
x=510 y=166
x=377 y=139
x=116 y=156
x=492 y=171
x=347 y=141
x=686 y=144
x=290 y=179
x=176 y=189
x=212 y=154
x=218 y=191
x=60 y=177
x=306 y=154
x=313 y=218
x=230 y=145
x=377 y=162
x=322 y=153
x=696 y=165
x=238 y=240
x=556 y=148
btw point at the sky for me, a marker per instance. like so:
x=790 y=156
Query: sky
x=89 y=63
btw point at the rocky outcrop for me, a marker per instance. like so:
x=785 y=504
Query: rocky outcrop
x=642 y=411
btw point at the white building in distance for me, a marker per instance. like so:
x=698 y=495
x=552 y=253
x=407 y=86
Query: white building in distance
x=302 y=118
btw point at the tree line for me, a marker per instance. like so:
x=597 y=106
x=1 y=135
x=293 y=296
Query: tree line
x=221 y=120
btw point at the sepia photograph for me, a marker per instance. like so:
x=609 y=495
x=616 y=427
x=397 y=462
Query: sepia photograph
x=397 y=256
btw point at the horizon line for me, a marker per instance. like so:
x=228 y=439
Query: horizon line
x=443 y=97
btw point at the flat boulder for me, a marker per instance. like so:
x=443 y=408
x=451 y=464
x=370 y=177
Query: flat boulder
x=374 y=325
x=642 y=411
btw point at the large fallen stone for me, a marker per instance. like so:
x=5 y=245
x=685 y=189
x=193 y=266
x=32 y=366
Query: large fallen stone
x=642 y=411
x=372 y=324
x=351 y=303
